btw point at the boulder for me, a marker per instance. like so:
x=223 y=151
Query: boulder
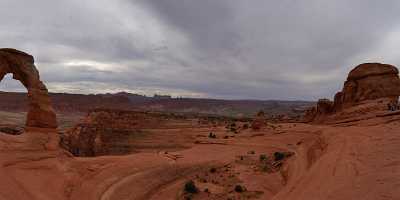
x=21 y=65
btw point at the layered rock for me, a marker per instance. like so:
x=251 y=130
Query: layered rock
x=120 y=132
x=21 y=65
x=369 y=81
x=324 y=107
x=374 y=84
x=103 y=132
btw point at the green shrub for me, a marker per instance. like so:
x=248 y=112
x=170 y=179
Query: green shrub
x=263 y=157
x=279 y=156
x=213 y=170
x=212 y=135
x=190 y=187
x=239 y=189
x=266 y=167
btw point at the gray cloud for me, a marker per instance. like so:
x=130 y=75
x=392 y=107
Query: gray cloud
x=211 y=48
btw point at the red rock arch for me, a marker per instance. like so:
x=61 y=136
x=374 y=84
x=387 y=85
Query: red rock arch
x=21 y=65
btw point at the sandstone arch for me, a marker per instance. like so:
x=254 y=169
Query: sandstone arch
x=21 y=65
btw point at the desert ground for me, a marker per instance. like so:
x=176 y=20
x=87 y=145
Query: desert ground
x=359 y=161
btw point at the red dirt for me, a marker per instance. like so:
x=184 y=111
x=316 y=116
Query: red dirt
x=329 y=162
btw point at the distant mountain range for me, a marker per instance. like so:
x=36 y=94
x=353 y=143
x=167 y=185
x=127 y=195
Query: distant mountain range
x=62 y=102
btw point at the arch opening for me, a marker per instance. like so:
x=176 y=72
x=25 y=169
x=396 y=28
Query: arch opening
x=13 y=106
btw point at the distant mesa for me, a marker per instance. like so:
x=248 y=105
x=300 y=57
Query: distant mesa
x=158 y=96
x=369 y=86
x=21 y=65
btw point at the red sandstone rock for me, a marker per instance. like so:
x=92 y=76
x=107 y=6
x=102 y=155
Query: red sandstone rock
x=259 y=121
x=367 y=82
x=309 y=114
x=21 y=65
x=324 y=107
x=110 y=132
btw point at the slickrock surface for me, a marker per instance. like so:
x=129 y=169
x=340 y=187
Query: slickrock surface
x=335 y=163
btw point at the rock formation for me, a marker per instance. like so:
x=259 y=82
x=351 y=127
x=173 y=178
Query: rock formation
x=109 y=132
x=366 y=82
x=259 y=121
x=324 y=107
x=21 y=66
x=369 y=81
x=310 y=114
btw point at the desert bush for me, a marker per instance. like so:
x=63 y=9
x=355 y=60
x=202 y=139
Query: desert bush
x=190 y=187
x=213 y=170
x=260 y=113
x=266 y=167
x=279 y=156
x=263 y=157
x=212 y=135
x=282 y=155
x=251 y=152
x=239 y=189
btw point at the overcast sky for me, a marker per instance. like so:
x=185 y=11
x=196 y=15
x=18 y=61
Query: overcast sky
x=235 y=49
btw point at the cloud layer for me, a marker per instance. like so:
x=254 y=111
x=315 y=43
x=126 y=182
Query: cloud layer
x=210 y=48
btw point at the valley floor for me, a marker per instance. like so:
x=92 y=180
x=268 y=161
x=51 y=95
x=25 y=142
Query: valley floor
x=328 y=162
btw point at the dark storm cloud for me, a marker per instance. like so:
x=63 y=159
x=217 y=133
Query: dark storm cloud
x=217 y=48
